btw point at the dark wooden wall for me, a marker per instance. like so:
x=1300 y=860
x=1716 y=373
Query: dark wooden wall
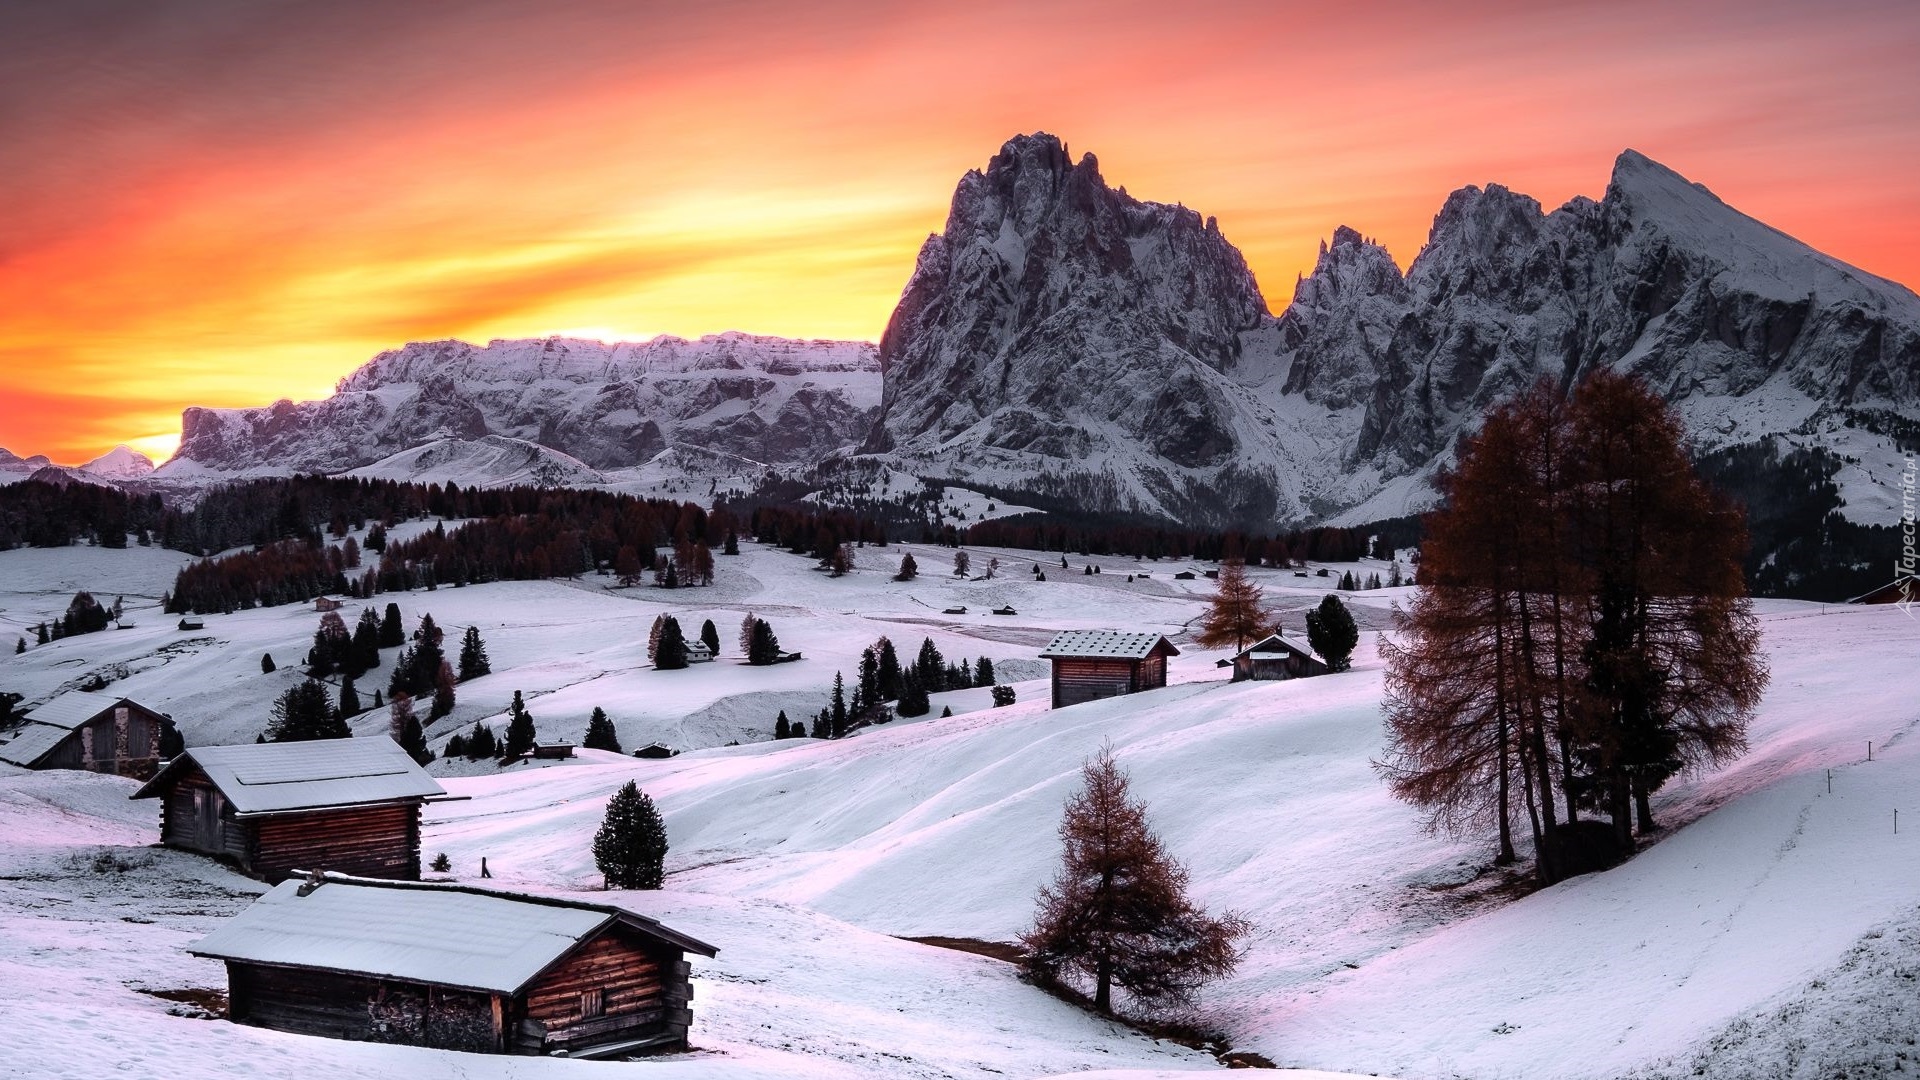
x=644 y=990
x=182 y=824
x=124 y=740
x=1078 y=679
x=340 y=1006
x=367 y=841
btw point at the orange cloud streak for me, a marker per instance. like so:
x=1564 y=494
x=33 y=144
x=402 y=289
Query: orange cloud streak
x=230 y=212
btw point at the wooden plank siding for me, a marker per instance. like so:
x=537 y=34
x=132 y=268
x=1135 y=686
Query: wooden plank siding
x=634 y=979
x=342 y=1006
x=381 y=841
x=1078 y=679
x=194 y=816
x=124 y=741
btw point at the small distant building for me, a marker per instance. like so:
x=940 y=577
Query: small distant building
x=328 y=603
x=1005 y=610
x=1903 y=589
x=955 y=611
x=655 y=750
x=277 y=809
x=1092 y=664
x=88 y=730
x=192 y=622
x=455 y=968
x=1275 y=657
x=698 y=653
x=1184 y=575
x=553 y=751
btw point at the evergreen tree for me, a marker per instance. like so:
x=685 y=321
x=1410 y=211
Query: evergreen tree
x=710 y=636
x=349 y=698
x=365 y=647
x=303 y=712
x=332 y=646
x=781 y=729
x=20 y=646
x=946 y=712
x=983 y=672
x=962 y=563
x=600 y=732
x=631 y=847
x=377 y=703
x=520 y=734
x=1002 y=696
x=732 y=546
x=404 y=728
x=965 y=674
x=653 y=637
x=913 y=699
x=457 y=746
x=473 y=655
x=930 y=666
x=823 y=725
x=764 y=648
x=867 y=692
x=443 y=696
x=1347 y=582
x=1234 y=616
x=837 y=707
x=40 y=638
x=671 y=655
x=392 y=633
x=481 y=744
x=267 y=666
x=1117 y=911
x=908 y=568
x=1331 y=633
x=888 y=677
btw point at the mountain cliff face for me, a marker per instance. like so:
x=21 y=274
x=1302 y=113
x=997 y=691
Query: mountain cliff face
x=767 y=400
x=1062 y=339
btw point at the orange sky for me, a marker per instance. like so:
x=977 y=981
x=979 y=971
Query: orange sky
x=226 y=202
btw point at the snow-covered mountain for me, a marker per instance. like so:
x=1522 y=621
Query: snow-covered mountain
x=489 y=461
x=607 y=405
x=120 y=463
x=14 y=468
x=1063 y=339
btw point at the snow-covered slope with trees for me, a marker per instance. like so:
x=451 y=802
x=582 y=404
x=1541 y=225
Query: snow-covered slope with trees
x=765 y=399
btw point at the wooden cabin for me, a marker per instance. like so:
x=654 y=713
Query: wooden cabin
x=455 y=968
x=277 y=809
x=1904 y=589
x=656 y=750
x=1275 y=657
x=97 y=732
x=698 y=653
x=553 y=751
x=328 y=603
x=1092 y=664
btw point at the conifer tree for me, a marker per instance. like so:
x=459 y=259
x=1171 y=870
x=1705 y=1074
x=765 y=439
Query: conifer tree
x=40 y=638
x=838 y=725
x=457 y=746
x=908 y=568
x=983 y=673
x=671 y=653
x=365 y=647
x=1117 y=911
x=781 y=729
x=1003 y=696
x=1234 y=615
x=1332 y=634
x=913 y=698
x=930 y=666
x=392 y=633
x=867 y=690
x=732 y=545
x=404 y=728
x=764 y=648
x=481 y=744
x=946 y=712
x=267 y=666
x=377 y=703
x=823 y=725
x=520 y=733
x=303 y=712
x=20 y=646
x=473 y=655
x=888 y=676
x=710 y=637
x=631 y=847
x=443 y=696
x=600 y=732
x=349 y=698
x=746 y=634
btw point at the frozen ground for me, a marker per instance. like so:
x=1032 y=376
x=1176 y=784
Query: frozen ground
x=1764 y=935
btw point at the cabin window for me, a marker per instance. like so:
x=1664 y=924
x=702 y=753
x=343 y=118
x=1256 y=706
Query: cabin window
x=593 y=1003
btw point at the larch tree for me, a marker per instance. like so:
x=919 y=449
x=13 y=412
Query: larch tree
x=404 y=728
x=1234 y=615
x=630 y=849
x=1117 y=911
x=443 y=693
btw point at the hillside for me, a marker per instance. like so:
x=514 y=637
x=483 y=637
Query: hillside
x=1378 y=949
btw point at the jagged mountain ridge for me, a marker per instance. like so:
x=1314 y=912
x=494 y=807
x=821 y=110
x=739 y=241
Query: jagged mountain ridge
x=763 y=399
x=1036 y=350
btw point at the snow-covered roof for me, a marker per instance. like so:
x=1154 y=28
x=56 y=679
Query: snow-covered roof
x=445 y=935
x=29 y=742
x=1113 y=644
x=74 y=708
x=266 y=778
x=1277 y=647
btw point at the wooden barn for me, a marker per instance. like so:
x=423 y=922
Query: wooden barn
x=92 y=731
x=1904 y=589
x=455 y=968
x=1092 y=664
x=276 y=809
x=1275 y=657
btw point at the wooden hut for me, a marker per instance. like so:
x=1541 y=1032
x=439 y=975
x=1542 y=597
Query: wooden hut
x=1275 y=657
x=1904 y=589
x=275 y=809
x=93 y=731
x=1092 y=664
x=455 y=968
x=328 y=603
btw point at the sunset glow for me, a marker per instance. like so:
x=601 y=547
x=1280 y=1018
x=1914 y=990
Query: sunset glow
x=226 y=203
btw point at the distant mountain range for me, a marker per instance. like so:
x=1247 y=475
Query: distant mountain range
x=120 y=465
x=1064 y=343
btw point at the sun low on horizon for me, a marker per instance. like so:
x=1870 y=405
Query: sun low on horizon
x=224 y=204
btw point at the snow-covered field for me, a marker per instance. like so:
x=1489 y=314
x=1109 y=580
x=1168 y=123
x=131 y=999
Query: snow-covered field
x=1770 y=932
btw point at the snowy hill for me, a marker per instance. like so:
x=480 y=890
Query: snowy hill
x=1378 y=949
x=608 y=405
x=489 y=461
x=119 y=464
